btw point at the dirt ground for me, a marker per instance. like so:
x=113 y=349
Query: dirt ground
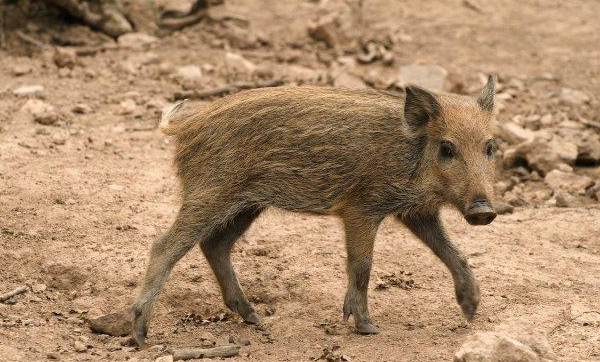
x=83 y=199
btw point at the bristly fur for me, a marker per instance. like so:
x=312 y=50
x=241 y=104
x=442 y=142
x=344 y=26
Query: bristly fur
x=359 y=154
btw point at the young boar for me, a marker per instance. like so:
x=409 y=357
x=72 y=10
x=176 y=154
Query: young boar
x=359 y=154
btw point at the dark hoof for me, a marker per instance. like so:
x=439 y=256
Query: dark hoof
x=252 y=318
x=367 y=328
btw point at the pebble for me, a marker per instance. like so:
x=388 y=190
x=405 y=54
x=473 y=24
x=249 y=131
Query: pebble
x=21 y=69
x=137 y=41
x=432 y=77
x=41 y=112
x=29 y=90
x=238 y=64
x=79 y=347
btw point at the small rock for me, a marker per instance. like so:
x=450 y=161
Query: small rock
x=29 y=90
x=79 y=347
x=432 y=77
x=21 y=69
x=345 y=74
x=503 y=208
x=302 y=75
x=326 y=30
x=81 y=108
x=244 y=38
x=569 y=182
x=116 y=324
x=136 y=41
x=238 y=64
x=188 y=73
x=502 y=347
x=65 y=57
x=156 y=348
x=563 y=199
x=345 y=79
x=126 y=107
x=39 y=288
x=573 y=96
x=545 y=156
x=52 y=355
x=240 y=341
x=514 y=133
x=59 y=140
x=40 y=111
x=167 y=358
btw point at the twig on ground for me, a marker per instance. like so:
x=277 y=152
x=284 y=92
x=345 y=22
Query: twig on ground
x=193 y=353
x=556 y=327
x=590 y=123
x=26 y=38
x=469 y=4
x=220 y=91
x=7 y=296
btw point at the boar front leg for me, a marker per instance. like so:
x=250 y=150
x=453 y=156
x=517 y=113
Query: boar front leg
x=360 y=237
x=429 y=229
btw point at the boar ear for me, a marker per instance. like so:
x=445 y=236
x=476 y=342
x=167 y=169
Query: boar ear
x=487 y=97
x=420 y=106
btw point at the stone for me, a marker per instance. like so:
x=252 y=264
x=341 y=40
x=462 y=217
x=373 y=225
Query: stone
x=563 y=199
x=65 y=57
x=302 y=75
x=38 y=288
x=21 y=69
x=243 y=38
x=573 y=96
x=81 y=108
x=136 y=41
x=238 y=64
x=587 y=142
x=345 y=79
x=504 y=347
x=503 y=208
x=40 y=111
x=545 y=155
x=29 y=90
x=128 y=106
x=167 y=358
x=514 y=133
x=570 y=182
x=116 y=324
x=432 y=77
x=325 y=29
x=79 y=347
x=188 y=73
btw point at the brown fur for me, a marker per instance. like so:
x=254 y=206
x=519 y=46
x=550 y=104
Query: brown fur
x=358 y=154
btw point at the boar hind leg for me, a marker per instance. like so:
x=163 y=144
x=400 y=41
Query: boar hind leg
x=360 y=237
x=217 y=249
x=429 y=229
x=165 y=253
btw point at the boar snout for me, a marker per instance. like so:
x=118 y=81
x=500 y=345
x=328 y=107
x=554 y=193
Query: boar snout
x=480 y=212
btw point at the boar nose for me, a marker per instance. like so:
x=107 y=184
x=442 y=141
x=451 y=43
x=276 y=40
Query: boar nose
x=480 y=212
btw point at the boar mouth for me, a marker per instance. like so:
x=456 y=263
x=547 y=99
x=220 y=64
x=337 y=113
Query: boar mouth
x=480 y=212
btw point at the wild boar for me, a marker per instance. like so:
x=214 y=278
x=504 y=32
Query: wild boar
x=359 y=154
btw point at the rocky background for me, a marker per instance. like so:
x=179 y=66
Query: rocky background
x=87 y=184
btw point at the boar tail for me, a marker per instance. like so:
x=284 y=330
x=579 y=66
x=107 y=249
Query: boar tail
x=168 y=114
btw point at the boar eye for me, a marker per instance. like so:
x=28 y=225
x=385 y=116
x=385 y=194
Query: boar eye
x=490 y=149
x=447 y=150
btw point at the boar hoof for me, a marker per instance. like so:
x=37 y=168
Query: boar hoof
x=367 y=328
x=468 y=299
x=251 y=318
